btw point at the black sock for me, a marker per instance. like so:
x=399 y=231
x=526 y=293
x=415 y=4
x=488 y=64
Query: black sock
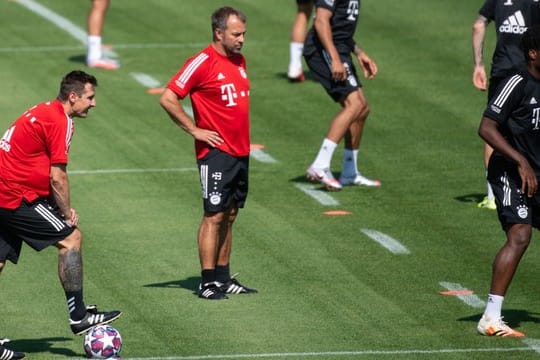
x=223 y=274
x=208 y=276
x=75 y=303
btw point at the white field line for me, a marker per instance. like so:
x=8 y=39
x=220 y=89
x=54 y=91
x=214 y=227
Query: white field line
x=61 y=22
x=127 y=171
x=145 y=80
x=320 y=196
x=386 y=241
x=390 y=353
x=533 y=344
x=262 y=156
x=26 y=49
x=471 y=300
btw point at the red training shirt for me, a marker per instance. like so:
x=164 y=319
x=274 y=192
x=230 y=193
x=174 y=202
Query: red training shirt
x=219 y=90
x=37 y=139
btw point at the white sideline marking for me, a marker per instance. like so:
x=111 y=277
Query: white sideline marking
x=146 y=80
x=337 y=353
x=56 y=19
x=116 y=46
x=386 y=241
x=533 y=344
x=471 y=300
x=60 y=21
x=320 y=196
x=262 y=156
x=127 y=171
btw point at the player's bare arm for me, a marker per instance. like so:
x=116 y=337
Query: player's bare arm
x=171 y=103
x=489 y=131
x=324 y=31
x=478 y=36
x=369 y=67
x=60 y=193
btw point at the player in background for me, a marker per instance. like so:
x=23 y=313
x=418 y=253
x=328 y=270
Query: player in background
x=510 y=125
x=217 y=83
x=96 y=18
x=327 y=51
x=35 y=205
x=298 y=36
x=511 y=18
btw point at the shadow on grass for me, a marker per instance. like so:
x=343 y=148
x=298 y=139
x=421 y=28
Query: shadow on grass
x=190 y=283
x=474 y=198
x=78 y=59
x=43 y=345
x=512 y=316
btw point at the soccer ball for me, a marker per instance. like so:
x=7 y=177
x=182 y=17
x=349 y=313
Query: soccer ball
x=102 y=342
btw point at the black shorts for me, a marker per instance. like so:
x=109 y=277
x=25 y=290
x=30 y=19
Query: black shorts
x=37 y=224
x=513 y=207
x=319 y=65
x=224 y=180
x=301 y=2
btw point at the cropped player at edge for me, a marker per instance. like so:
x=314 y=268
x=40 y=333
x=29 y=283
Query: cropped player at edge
x=511 y=125
x=35 y=205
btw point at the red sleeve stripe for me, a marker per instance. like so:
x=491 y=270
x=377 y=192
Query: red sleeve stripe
x=190 y=69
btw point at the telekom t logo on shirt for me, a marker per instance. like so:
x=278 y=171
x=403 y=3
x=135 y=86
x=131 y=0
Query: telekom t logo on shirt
x=228 y=94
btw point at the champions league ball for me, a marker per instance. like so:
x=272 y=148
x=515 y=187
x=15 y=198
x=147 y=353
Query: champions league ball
x=102 y=342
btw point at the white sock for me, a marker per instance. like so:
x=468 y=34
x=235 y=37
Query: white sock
x=295 y=63
x=322 y=161
x=349 y=167
x=494 y=306
x=94 y=48
x=490 y=194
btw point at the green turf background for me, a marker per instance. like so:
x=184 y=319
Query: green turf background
x=324 y=286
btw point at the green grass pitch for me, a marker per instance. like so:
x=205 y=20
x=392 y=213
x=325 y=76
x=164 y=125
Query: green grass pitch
x=327 y=290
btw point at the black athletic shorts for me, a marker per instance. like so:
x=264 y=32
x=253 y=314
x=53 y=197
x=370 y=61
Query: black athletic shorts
x=224 y=180
x=319 y=65
x=301 y=2
x=513 y=207
x=37 y=224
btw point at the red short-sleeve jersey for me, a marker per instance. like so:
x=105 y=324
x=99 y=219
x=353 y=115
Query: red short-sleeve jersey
x=37 y=139
x=219 y=90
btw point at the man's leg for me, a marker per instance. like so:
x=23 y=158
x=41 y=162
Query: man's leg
x=351 y=110
x=230 y=285
x=6 y=353
x=70 y=272
x=353 y=136
x=95 y=21
x=503 y=270
x=298 y=36
x=208 y=242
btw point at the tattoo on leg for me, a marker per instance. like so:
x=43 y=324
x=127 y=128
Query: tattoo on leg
x=70 y=270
